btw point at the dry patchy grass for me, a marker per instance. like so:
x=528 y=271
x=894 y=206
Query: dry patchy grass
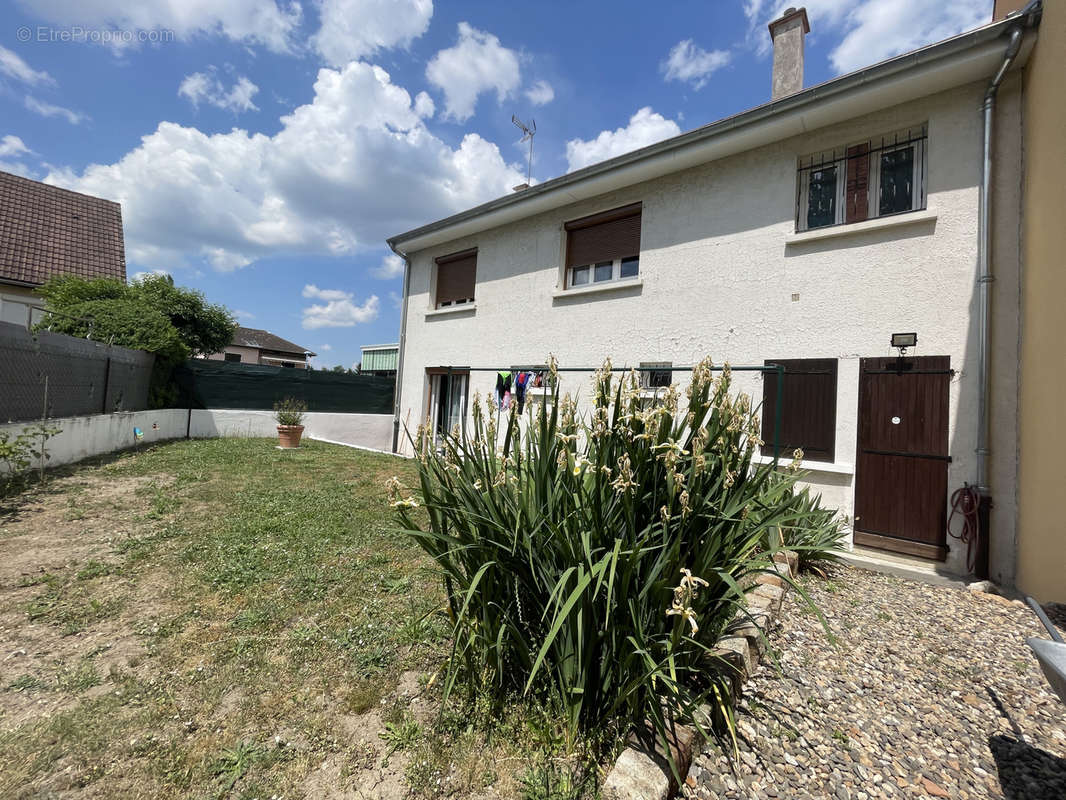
x=221 y=619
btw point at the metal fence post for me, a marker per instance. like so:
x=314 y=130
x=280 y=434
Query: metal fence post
x=107 y=381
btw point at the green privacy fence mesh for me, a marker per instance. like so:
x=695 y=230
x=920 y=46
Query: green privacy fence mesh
x=218 y=384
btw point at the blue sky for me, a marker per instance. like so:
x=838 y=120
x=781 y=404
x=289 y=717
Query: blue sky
x=264 y=149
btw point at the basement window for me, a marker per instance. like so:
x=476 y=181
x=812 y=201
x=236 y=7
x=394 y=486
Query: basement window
x=603 y=247
x=875 y=178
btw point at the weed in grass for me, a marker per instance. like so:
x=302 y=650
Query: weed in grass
x=400 y=735
x=41 y=578
x=78 y=678
x=555 y=780
x=96 y=569
x=27 y=683
x=234 y=762
x=70 y=608
x=363 y=695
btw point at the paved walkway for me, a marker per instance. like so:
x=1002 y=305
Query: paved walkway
x=924 y=691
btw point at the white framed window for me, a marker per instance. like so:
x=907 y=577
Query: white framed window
x=602 y=271
x=603 y=247
x=877 y=177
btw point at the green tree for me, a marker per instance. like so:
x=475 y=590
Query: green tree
x=149 y=314
x=112 y=308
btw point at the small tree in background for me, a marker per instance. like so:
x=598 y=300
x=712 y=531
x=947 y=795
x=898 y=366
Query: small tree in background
x=151 y=313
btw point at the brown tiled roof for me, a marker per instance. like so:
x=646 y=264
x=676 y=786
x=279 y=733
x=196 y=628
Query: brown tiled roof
x=46 y=231
x=265 y=340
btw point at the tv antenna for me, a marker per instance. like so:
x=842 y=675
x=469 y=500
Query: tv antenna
x=528 y=132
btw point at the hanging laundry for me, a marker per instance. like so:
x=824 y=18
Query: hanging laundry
x=503 y=389
x=521 y=383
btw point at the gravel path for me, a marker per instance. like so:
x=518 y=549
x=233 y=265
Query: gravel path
x=927 y=692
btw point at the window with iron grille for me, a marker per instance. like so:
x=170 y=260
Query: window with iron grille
x=809 y=408
x=655 y=375
x=874 y=178
x=233 y=357
x=603 y=247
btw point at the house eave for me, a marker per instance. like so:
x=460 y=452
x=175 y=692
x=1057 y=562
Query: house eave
x=954 y=62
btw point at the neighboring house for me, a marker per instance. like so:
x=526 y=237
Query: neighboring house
x=1042 y=441
x=379 y=359
x=45 y=232
x=804 y=232
x=253 y=346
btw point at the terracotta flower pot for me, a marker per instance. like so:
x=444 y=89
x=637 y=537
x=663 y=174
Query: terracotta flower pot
x=289 y=435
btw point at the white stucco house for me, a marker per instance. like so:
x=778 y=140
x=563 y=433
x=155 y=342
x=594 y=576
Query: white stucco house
x=804 y=232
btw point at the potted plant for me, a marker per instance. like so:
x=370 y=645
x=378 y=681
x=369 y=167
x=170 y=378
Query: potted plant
x=290 y=416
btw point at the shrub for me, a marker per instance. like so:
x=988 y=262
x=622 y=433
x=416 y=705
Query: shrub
x=290 y=411
x=17 y=453
x=816 y=536
x=597 y=560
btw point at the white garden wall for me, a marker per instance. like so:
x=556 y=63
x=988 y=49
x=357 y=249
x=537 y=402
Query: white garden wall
x=83 y=437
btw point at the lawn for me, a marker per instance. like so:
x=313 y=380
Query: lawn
x=222 y=619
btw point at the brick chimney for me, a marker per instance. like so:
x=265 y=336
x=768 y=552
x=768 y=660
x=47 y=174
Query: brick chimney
x=787 y=33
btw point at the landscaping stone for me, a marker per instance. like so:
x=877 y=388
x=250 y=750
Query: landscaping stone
x=924 y=691
x=642 y=770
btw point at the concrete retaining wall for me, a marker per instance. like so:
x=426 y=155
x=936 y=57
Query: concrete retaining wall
x=371 y=431
x=82 y=437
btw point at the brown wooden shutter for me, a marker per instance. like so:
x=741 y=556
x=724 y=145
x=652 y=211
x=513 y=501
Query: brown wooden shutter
x=808 y=417
x=603 y=237
x=456 y=275
x=857 y=189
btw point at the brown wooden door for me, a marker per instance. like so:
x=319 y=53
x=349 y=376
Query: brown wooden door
x=901 y=470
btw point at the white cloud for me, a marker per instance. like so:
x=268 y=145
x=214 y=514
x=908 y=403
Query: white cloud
x=263 y=22
x=690 y=63
x=878 y=29
x=339 y=309
x=345 y=171
x=243 y=316
x=46 y=109
x=391 y=267
x=644 y=128
x=354 y=29
x=140 y=276
x=314 y=293
x=205 y=87
x=12 y=145
x=540 y=93
x=476 y=64
x=12 y=65
x=424 y=105
x=325 y=348
x=873 y=30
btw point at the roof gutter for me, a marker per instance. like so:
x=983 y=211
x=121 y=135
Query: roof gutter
x=962 y=59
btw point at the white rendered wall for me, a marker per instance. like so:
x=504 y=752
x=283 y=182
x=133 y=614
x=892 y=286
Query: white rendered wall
x=369 y=431
x=718 y=273
x=83 y=437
